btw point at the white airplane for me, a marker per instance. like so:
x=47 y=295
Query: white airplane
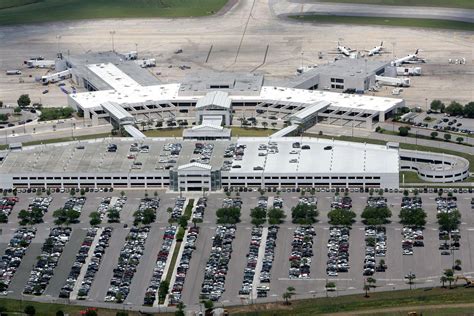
x=409 y=59
x=346 y=51
x=376 y=50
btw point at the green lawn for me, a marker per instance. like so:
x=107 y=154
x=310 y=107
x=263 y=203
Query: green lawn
x=468 y=4
x=14 y=307
x=34 y=11
x=410 y=177
x=404 y=22
x=377 y=301
x=236 y=132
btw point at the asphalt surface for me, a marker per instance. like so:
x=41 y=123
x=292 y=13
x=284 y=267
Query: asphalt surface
x=426 y=262
x=301 y=7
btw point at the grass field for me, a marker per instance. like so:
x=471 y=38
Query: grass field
x=403 y=22
x=16 y=307
x=34 y=11
x=236 y=132
x=468 y=4
x=381 y=303
x=410 y=177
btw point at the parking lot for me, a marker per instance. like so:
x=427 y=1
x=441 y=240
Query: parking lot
x=394 y=246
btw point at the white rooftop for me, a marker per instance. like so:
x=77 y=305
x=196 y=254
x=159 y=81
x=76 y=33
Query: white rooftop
x=338 y=157
x=127 y=91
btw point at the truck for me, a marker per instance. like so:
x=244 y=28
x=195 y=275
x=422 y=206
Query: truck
x=36 y=63
x=390 y=81
x=133 y=55
x=55 y=77
x=13 y=72
x=409 y=71
x=146 y=63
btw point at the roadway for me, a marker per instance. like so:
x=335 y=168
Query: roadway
x=303 y=7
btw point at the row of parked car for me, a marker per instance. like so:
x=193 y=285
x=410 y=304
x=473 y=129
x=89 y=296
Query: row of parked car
x=6 y=206
x=308 y=200
x=94 y=263
x=375 y=246
x=183 y=265
x=301 y=252
x=80 y=260
x=178 y=208
x=128 y=261
x=204 y=153
x=412 y=237
x=47 y=260
x=75 y=203
x=450 y=241
x=344 y=202
x=252 y=259
x=158 y=270
x=232 y=202
x=233 y=151
x=217 y=265
x=14 y=252
x=338 y=251
x=198 y=213
x=411 y=203
x=111 y=203
x=269 y=256
x=147 y=203
x=446 y=204
x=376 y=201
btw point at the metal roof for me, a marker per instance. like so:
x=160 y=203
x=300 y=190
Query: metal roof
x=134 y=132
x=216 y=98
x=310 y=110
x=116 y=111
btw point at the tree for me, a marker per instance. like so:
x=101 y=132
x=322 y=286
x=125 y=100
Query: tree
x=290 y=291
x=437 y=105
x=276 y=216
x=443 y=279
x=258 y=215
x=469 y=110
x=447 y=137
x=180 y=309
x=459 y=139
x=113 y=215
x=72 y=192
x=304 y=214
x=121 y=313
x=30 y=310
x=403 y=131
x=83 y=192
x=457 y=264
x=92 y=312
x=371 y=281
x=434 y=135
x=449 y=273
x=454 y=108
x=375 y=216
x=366 y=289
x=449 y=221
x=341 y=217
x=209 y=306
x=228 y=215
x=23 y=100
x=274 y=124
x=95 y=218
x=265 y=124
x=17 y=110
x=122 y=193
x=413 y=217
x=330 y=286
x=59 y=313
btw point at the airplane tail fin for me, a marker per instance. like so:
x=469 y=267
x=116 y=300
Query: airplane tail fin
x=416 y=53
x=381 y=44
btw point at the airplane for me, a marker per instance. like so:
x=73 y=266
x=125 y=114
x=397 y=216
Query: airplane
x=376 y=50
x=346 y=51
x=409 y=59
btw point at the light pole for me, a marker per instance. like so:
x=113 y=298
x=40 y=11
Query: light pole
x=58 y=37
x=112 y=33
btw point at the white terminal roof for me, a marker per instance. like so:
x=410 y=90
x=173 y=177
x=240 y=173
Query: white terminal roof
x=127 y=91
x=217 y=98
x=340 y=158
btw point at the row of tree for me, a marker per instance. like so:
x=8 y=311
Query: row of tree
x=259 y=216
x=454 y=108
